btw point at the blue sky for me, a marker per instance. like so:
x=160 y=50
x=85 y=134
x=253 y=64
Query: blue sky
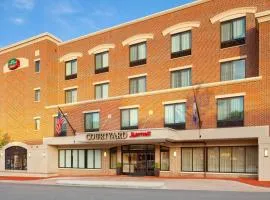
x=68 y=19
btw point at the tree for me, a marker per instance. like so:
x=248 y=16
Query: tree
x=4 y=139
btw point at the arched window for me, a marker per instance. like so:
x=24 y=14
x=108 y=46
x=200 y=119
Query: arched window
x=16 y=158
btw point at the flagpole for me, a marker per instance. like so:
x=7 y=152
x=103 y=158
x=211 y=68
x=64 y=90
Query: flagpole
x=73 y=130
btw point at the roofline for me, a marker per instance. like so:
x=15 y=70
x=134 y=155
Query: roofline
x=26 y=41
x=188 y=5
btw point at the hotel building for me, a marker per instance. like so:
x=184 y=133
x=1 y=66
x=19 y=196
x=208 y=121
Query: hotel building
x=129 y=92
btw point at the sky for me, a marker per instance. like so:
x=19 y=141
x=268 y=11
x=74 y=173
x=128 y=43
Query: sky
x=68 y=19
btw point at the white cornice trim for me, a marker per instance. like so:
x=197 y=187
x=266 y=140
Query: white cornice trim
x=164 y=91
x=180 y=68
x=230 y=95
x=38 y=88
x=137 y=76
x=101 y=82
x=233 y=14
x=137 y=39
x=101 y=48
x=70 y=88
x=181 y=27
x=174 y=102
x=232 y=58
x=38 y=117
x=70 y=56
x=129 y=107
x=91 y=111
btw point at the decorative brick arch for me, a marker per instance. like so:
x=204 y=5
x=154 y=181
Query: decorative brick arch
x=101 y=48
x=70 y=56
x=181 y=27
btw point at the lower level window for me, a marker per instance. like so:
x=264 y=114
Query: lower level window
x=193 y=159
x=113 y=158
x=79 y=158
x=164 y=159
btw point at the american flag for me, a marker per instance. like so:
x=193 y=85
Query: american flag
x=195 y=115
x=60 y=120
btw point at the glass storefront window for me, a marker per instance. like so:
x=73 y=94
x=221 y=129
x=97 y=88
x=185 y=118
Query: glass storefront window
x=164 y=159
x=113 y=158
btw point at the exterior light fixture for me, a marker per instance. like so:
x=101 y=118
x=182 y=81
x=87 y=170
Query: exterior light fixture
x=174 y=154
x=29 y=155
x=150 y=112
x=105 y=153
x=266 y=153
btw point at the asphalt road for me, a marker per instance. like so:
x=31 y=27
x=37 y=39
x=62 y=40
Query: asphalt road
x=38 y=192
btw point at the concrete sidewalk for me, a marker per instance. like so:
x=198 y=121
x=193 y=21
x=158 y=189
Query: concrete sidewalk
x=147 y=183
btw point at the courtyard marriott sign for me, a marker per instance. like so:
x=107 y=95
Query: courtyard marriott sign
x=121 y=135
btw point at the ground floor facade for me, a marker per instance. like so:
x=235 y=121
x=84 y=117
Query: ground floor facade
x=231 y=152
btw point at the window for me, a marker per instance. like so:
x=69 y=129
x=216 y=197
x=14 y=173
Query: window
x=102 y=62
x=175 y=116
x=181 y=44
x=230 y=112
x=16 y=158
x=71 y=69
x=233 y=32
x=233 y=70
x=193 y=159
x=137 y=85
x=181 y=78
x=37 y=66
x=164 y=158
x=138 y=54
x=71 y=96
x=102 y=91
x=91 y=122
x=213 y=159
x=79 y=158
x=113 y=158
x=64 y=128
x=37 y=124
x=37 y=95
x=129 y=118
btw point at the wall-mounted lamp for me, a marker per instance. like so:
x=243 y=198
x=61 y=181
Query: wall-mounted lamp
x=266 y=153
x=29 y=155
x=174 y=154
x=105 y=153
x=109 y=116
x=150 y=112
x=1 y=154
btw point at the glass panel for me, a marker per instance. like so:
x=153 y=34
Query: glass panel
x=133 y=86
x=185 y=41
x=251 y=159
x=98 y=61
x=165 y=160
x=239 y=69
x=113 y=158
x=37 y=66
x=185 y=78
x=68 y=158
x=213 y=159
x=126 y=162
x=75 y=158
x=176 y=79
x=105 y=59
x=133 y=117
x=74 y=96
x=82 y=159
x=175 y=43
x=125 y=118
x=61 y=158
x=239 y=29
x=105 y=91
x=90 y=159
x=88 y=121
x=142 y=84
x=98 y=91
x=187 y=159
x=226 y=71
x=225 y=159
x=198 y=159
x=180 y=112
x=133 y=53
x=236 y=112
x=222 y=109
x=169 y=114
x=95 y=120
x=142 y=51
x=238 y=159
x=68 y=68
x=97 y=159
x=74 y=66
x=226 y=32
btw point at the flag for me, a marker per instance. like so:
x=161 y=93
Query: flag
x=195 y=114
x=60 y=121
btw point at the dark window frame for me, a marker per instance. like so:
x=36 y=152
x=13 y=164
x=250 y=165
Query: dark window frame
x=101 y=85
x=129 y=127
x=177 y=126
x=138 y=61
x=35 y=95
x=37 y=66
x=72 y=75
x=233 y=42
x=102 y=69
x=192 y=148
x=70 y=90
x=113 y=150
x=136 y=79
x=232 y=62
x=91 y=130
x=181 y=70
x=182 y=53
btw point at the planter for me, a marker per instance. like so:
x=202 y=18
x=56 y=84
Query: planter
x=119 y=171
x=156 y=172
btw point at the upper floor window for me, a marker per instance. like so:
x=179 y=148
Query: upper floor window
x=233 y=70
x=175 y=116
x=230 y=112
x=71 y=96
x=129 y=118
x=138 y=54
x=137 y=85
x=181 y=78
x=102 y=62
x=91 y=122
x=37 y=95
x=102 y=91
x=233 y=32
x=181 y=44
x=37 y=124
x=71 y=69
x=37 y=66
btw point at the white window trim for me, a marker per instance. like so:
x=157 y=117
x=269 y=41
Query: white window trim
x=101 y=48
x=174 y=102
x=37 y=59
x=70 y=88
x=180 y=68
x=38 y=88
x=38 y=117
x=181 y=27
x=137 y=76
x=233 y=58
x=101 y=82
x=70 y=56
x=91 y=111
x=129 y=107
x=138 y=39
x=230 y=95
x=37 y=53
x=233 y=14
x=55 y=115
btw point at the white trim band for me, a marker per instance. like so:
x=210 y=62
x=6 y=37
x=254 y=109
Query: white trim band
x=180 y=68
x=230 y=95
x=38 y=117
x=70 y=56
x=91 y=111
x=138 y=39
x=101 y=48
x=181 y=27
x=129 y=107
x=38 y=88
x=232 y=59
x=174 y=102
x=137 y=76
x=101 y=82
x=70 y=88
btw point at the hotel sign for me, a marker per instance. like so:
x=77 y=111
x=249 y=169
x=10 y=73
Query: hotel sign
x=13 y=64
x=113 y=136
